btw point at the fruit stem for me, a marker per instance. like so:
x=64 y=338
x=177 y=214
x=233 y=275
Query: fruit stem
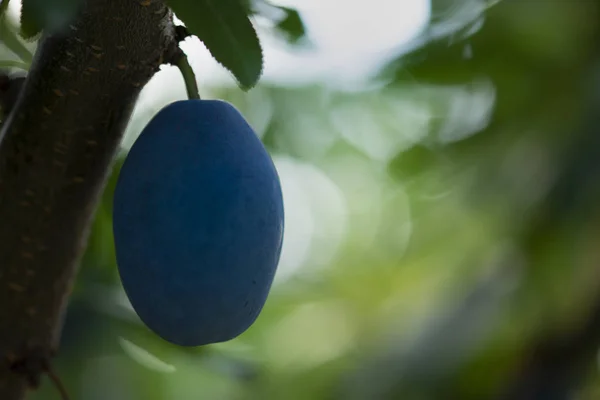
x=189 y=77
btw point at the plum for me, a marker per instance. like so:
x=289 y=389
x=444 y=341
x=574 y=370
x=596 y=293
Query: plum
x=198 y=223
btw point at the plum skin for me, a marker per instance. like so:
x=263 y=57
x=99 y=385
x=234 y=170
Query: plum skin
x=198 y=223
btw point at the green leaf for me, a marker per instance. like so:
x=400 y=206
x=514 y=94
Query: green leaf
x=3 y=7
x=224 y=27
x=287 y=20
x=10 y=39
x=292 y=25
x=50 y=15
x=14 y=64
x=31 y=25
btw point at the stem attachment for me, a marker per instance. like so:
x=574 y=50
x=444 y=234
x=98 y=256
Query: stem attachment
x=189 y=77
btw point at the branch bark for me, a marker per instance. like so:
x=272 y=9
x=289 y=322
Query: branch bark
x=56 y=150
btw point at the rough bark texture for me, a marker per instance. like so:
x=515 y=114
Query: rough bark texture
x=56 y=149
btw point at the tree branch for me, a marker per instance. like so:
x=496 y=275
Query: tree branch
x=56 y=149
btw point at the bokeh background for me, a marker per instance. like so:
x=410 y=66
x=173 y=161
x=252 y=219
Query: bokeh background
x=440 y=163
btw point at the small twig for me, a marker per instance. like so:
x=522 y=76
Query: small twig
x=33 y=364
x=56 y=380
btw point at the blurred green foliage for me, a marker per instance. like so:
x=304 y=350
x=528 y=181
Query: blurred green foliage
x=432 y=234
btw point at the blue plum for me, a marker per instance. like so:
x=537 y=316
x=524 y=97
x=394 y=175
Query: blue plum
x=198 y=223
